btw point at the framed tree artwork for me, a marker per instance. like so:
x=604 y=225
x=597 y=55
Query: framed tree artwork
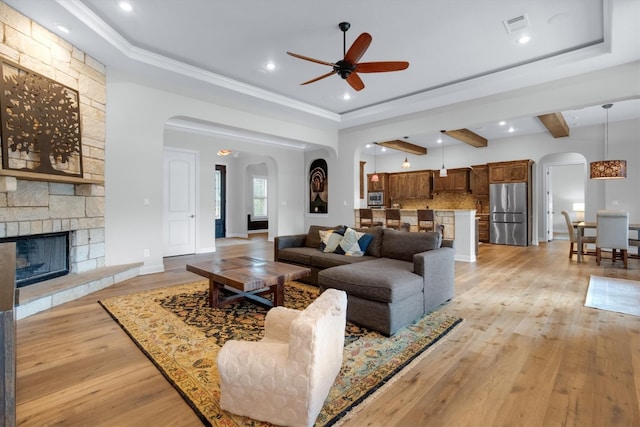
x=40 y=123
x=318 y=187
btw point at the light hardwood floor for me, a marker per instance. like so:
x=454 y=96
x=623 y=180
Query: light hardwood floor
x=527 y=354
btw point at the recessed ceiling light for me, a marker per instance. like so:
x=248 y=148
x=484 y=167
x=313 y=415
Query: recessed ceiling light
x=502 y=123
x=511 y=129
x=62 y=28
x=524 y=39
x=270 y=66
x=439 y=141
x=346 y=97
x=126 y=6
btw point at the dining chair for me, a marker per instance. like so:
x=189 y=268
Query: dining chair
x=613 y=233
x=392 y=219
x=573 y=237
x=636 y=244
x=426 y=220
x=366 y=219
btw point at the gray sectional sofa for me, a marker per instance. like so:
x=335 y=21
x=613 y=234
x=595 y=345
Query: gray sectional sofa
x=401 y=276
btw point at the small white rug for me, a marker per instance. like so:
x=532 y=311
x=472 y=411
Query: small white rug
x=612 y=294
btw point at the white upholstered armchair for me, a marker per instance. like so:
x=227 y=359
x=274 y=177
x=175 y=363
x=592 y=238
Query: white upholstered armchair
x=285 y=378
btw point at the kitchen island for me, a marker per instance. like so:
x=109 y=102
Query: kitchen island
x=459 y=225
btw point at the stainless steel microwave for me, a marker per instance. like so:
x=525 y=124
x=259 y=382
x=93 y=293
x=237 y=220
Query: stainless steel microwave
x=376 y=198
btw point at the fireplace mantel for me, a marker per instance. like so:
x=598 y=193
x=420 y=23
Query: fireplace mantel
x=32 y=176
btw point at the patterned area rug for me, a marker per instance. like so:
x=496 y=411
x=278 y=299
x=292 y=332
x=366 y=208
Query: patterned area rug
x=177 y=330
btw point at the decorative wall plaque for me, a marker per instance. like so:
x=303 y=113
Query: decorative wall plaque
x=40 y=123
x=318 y=187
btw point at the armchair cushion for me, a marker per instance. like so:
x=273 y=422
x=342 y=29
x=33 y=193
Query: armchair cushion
x=285 y=378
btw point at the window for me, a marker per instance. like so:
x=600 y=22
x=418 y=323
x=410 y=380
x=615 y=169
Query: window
x=259 y=197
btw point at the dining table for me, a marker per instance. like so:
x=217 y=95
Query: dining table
x=583 y=225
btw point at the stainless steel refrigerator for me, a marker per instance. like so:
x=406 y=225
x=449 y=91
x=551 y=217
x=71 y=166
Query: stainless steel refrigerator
x=508 y=219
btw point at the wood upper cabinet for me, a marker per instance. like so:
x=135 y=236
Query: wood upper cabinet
x=423 y=184
x=380 y=185
x=456 y=181
x=410 y=185
x=480 y=180
x=515 y=171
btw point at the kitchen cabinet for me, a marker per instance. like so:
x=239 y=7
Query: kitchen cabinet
x=380 y=185
x=514 y=171
x=480 y=180
x=410 y=185
x=456 y=181
x=483 y=227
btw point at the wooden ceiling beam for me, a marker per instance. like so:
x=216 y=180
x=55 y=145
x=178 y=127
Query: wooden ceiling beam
x=468 y=137
x=405 y=147
x=555 y=124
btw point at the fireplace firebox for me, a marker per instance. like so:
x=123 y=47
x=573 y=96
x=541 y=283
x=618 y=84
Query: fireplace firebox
x=40 y=257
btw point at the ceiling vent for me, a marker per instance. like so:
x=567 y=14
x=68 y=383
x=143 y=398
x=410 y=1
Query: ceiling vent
x=516 y=24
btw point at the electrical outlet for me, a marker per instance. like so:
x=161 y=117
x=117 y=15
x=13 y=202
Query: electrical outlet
x=146 y=252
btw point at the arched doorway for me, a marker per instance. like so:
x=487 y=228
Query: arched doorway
x=564 y=182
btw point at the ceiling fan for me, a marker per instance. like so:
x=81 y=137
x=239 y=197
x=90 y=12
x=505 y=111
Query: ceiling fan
x=349 y=67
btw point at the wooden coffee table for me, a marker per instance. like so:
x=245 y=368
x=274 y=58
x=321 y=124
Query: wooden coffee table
x=233 y=279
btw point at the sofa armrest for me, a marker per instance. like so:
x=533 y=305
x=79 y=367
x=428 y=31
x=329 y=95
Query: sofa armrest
x=437 y=268
x=292 y=241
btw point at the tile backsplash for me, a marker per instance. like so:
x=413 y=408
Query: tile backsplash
x=441 y=201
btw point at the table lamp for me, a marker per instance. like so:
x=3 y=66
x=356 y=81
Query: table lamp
x=579 y=210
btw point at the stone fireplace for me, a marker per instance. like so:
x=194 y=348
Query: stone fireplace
x=44 y=208
x=34 y=204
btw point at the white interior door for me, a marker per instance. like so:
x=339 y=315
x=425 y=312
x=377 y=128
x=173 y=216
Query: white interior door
x=179 y=202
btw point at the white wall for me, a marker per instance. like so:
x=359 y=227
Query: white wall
x=136 y=117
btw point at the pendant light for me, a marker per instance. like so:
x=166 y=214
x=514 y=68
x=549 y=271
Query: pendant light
x=375 y=177
x=443 y=170
x=608 y=169
x=406 y=164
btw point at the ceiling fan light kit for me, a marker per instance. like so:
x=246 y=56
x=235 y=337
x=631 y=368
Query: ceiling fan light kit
x=349 y=67
x=608 y=169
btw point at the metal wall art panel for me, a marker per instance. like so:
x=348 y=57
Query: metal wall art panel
x=40 y=123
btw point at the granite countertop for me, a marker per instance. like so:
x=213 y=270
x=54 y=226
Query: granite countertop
x=435 y=209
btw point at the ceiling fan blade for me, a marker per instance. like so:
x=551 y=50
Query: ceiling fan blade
x=381 y=67
x=358 y=48
x=306 y=58
x=318 y=78
x=355 y=81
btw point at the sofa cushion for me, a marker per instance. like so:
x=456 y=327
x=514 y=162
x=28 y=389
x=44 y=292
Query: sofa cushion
x=323 y=260
x=297 y=255
x=313 y=237
x=383 y=279
x=403 y=245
